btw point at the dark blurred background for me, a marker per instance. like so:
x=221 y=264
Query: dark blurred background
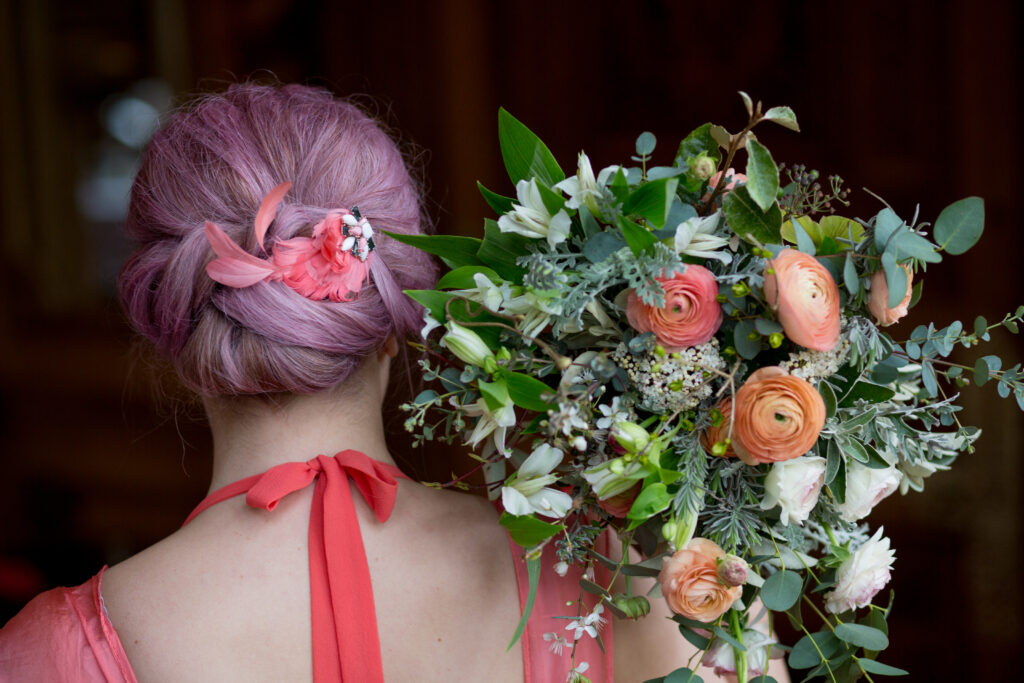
x=917 y=101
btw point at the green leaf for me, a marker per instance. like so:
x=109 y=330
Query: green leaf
x=874 y=393
x=766 y=327
x=526 y=391
x=850 y=278
x=832 y=462
x=527 y=530
x=803 y=241
x=886 y=225
x=875 y=667
x=639 y=238
x=841 y=228
x=432 y=300
x=533 y=572
x=745 y=346
x=809 y=226
x=500 y=204
x=747 y=102
x=652 y=200
x=495 y=394
x=683 y=675
x=960 y=225
x=911 y=245
x=805 y=653
x=863 y=636
x=854 y=449
x=524 y=153
x=652 y=499
x=694 y=638
x=645 y=144
x=699 y=140
x=601 y=246
x=747 y=219
x=499 y=250
x=895 y=278
x=783 y=116
x=462 y=277
x=829 y=397
x=781 y=590
x=762 y=175
x=454 y=249
x=728 y=637
x=980 y=372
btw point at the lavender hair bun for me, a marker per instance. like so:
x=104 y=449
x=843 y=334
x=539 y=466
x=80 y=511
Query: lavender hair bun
x=215 y=161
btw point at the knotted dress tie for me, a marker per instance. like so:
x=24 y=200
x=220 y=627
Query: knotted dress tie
x=346 y=646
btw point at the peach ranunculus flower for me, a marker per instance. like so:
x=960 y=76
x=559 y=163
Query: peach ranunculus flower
x=806 y=299
x=689 y=581
x=691 y=314
x=777 y=417
x=878 y=299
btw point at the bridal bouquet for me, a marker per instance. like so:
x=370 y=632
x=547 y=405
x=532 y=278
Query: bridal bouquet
x=701 y=360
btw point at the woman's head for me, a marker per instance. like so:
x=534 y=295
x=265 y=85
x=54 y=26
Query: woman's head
x=215 y=162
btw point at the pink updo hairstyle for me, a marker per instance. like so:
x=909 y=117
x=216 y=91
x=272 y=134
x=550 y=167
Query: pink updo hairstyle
x=216 y=161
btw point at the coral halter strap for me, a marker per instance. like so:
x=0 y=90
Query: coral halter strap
x=346 y=646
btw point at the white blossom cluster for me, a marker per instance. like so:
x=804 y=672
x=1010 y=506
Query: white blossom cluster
x=672 y=382
x=815 y=366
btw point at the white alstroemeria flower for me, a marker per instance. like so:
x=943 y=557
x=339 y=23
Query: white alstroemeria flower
x=589 y=624
x=429 y=324
x=557 y=642
x=696 y=237
x=583 y=188
x=614 y=476
x=530 y=217
x=466 y=344
x=513 y=300
x=494 y=422
x=526 y=491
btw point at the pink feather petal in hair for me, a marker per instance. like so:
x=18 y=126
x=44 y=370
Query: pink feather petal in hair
x=268 y=210
x=234 y=266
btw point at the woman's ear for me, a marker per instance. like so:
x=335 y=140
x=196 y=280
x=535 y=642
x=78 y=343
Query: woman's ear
x=391 y=347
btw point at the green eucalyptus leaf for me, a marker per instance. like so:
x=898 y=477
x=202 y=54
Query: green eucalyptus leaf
x=694 y=638
x=745 y=346
x=873 y=666
x=524 y=154
x=980 y=372
x=781 y=590
x=645 y=144
x=601 y=246
x=863 y=636
x=783 y=116
x=803 y=241
x=895 y=278
x=683 y=675
x=729 y=638
x=748 y=220
x=766 y=327
x=886 y=225
x=850 y=277
x=960 y=225
x=805 y=653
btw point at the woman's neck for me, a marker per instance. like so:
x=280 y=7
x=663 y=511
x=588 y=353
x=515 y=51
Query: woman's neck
x=252 y=435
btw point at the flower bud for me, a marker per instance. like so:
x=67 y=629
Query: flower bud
x=561 y=568
x=703 y=166
x=775 y=339
x=628 y=437
x=563 y=363
x=732 y=570
x=634 y=606
x=466 y=345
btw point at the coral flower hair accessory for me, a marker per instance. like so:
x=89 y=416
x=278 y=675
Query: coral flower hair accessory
x=332 y=264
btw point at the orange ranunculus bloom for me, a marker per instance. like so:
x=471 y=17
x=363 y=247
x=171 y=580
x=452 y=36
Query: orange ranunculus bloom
x=777 y=416
x=806 y=298
x=878 y=299
x=691 y=314
x=689 y=581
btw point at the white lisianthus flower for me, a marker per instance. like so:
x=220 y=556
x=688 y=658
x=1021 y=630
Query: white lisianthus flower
x=794 y=485
x=721 y=656
x=862 y=575
x=696 y=237
x=466 y=344
x=865 y=488
x=490 y=422
x=526 y=491
x=530 y=217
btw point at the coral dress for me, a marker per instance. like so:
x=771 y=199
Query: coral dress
x=66 y=635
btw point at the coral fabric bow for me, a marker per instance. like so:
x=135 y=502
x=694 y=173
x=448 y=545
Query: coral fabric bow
x=332 y=264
